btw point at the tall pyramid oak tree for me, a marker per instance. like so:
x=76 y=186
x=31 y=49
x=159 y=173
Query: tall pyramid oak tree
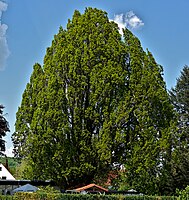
x=99 y=100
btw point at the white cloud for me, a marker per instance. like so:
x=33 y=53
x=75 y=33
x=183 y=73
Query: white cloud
x=3 y=7
x=129 y=20
x=8 y=152
x=4 y=50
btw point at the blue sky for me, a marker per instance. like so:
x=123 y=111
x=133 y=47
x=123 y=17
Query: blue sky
x=27 y=29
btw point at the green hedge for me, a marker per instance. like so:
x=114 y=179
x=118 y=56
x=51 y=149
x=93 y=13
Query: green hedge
x=58 y=196
x=7 y=197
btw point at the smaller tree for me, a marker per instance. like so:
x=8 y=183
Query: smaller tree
x=4 y=128
x=179 y=96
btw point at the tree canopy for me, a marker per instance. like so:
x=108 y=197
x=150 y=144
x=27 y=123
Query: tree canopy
x=4 y=128
x=98 y=99
x=180 y=157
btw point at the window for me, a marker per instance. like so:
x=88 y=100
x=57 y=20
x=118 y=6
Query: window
x=4 y=177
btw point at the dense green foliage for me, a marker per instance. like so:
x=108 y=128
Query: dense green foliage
x=180 y=157
x=11 y=163
x=6 y=197
x=147 y=116
x=98 y=99
x=49 y=196
x=4 y=128
x=183 y=194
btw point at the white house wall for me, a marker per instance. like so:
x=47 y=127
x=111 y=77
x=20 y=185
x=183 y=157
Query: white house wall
x=5 y=174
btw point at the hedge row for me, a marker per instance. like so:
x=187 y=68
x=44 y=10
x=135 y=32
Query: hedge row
x=3 y=197
x=57 y=196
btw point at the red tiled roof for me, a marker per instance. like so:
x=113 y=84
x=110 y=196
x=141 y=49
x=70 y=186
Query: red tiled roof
x=91 y=186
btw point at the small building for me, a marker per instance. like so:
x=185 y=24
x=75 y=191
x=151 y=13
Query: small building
x=91 y=188
x=5 y=174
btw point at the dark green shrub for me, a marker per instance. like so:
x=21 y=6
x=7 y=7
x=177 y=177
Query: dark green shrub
x=59 y=196
x=184 y=194
x=7 y=197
